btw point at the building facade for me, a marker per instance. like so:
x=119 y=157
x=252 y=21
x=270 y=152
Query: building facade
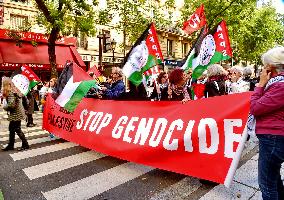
x=15 y=14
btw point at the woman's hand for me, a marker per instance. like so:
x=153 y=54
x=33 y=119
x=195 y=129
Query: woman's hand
x=264 y=77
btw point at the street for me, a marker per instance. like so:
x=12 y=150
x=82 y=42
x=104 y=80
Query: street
x=57 y=169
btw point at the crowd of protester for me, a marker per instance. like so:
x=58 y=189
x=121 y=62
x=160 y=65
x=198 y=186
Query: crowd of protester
x=178 y=85
x=267 y=105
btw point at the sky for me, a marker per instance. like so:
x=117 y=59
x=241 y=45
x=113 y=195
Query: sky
x=279 y=5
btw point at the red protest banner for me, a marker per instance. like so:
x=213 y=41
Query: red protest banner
x=203 y=138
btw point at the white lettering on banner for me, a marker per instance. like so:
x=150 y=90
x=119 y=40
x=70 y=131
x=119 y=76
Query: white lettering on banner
x=195 y=20
x=211 y=123
x=219 y=28
x=92 y=113
x=129 y=128
x=187 y=136
x=143 y=130
x=159 y=130
x=105 y=121
x=118 y=128
x=222 y=44
x=174 y=145
x=79 y=125
x=230 y=136
x=97 y=123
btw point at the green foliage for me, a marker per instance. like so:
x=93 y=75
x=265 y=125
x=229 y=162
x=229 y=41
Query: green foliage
x=252 y=30
x=75 y=16
x=135 y=16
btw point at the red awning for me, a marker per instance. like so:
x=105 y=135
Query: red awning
x=11 y=55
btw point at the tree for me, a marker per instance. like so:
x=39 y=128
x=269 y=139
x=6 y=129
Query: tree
x=252 y=30
x=134 y=16
x=64 y=18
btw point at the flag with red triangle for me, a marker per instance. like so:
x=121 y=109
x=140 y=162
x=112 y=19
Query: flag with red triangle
x=72 y=85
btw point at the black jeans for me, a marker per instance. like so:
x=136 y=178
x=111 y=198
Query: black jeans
x=15 y=127
x=30 y=119
x=271 y=156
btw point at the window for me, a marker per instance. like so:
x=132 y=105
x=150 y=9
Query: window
x=184 y=49
x=18 y=21
x=170 y=47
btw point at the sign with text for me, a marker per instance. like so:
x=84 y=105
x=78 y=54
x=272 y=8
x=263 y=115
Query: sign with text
x=38 y=37
x=203 y=138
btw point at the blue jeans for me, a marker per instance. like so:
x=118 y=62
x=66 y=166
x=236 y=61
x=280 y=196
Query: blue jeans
x=271 y=156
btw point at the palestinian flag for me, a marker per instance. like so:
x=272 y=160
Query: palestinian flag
x=209 y=48
x=145 y=54
x=25 y=79
x=72 y=85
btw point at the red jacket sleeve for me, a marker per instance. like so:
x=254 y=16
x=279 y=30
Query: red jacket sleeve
x=263 y=102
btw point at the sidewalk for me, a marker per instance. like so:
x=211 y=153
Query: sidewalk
x=244 y=185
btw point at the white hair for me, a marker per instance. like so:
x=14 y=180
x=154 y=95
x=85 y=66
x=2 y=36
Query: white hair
x=275 y=57
x=247 y=71
x=238 y=69
x=215 y=70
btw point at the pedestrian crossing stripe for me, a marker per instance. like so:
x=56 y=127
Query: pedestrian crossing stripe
x=42 y=150
x=104 y=181
x=98 y=183
x=58 y=165
x=37 y=133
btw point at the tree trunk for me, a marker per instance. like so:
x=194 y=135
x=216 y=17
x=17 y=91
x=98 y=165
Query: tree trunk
x=51 y=51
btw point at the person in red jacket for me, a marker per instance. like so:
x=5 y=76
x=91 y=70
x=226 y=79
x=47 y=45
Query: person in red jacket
x=267 y=106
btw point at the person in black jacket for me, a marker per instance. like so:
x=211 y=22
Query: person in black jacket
x=160 y=91
x=215 y=85
x=135 y=93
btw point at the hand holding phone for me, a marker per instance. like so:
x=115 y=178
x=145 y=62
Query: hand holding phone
x=264 y=77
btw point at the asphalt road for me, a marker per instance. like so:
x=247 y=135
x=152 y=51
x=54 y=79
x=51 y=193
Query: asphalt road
x=57 y=169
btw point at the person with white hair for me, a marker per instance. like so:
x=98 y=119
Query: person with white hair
x=267 y=107
x=237 y=84
x=117 y=88
x=215 y=85
x=248 y=77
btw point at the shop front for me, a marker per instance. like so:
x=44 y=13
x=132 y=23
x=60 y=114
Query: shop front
x=12 y=56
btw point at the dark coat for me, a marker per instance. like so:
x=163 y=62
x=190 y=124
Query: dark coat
x=15 y=107
x=215 y=88
x=164 y=94
x=31 y=102
x=116 y=90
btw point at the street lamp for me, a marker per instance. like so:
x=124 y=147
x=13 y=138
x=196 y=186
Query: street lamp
x=113 y=45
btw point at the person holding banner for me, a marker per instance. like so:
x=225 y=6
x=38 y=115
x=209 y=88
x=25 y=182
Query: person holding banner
x=267 y=107
x=16 y=113
x=160 y=91
x=215 y=85
x=117 y=88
